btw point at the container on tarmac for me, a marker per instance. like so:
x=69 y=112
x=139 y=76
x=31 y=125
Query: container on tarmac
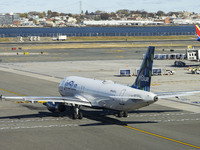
x=155 y=72
x=125 y=72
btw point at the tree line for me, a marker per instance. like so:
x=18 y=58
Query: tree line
x=102 y=15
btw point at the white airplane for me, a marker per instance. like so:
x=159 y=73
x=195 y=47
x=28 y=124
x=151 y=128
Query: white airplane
x=78 y=91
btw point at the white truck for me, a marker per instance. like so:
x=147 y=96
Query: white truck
x=59 y=38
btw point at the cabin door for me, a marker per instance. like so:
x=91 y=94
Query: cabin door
x=122 y=100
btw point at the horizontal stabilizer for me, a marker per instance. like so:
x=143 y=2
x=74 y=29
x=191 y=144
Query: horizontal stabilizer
x=126 y=97
x=175 y=94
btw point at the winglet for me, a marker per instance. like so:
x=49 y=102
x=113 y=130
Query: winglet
x=2 y=97
x=143 y=79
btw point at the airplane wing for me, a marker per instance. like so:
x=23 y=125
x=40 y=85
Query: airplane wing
x=67 y=100
x=175 y=94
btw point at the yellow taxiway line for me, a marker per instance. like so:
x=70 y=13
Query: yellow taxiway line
x=11 y=92
x=133 y=128
x=160 y=136
x=20 y=95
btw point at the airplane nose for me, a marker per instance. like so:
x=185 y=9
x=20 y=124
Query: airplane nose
x=155 y=98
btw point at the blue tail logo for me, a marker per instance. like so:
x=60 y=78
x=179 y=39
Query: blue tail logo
x=143 y=79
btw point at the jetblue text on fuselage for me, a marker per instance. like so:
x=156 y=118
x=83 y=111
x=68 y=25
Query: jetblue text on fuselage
x=70 y=84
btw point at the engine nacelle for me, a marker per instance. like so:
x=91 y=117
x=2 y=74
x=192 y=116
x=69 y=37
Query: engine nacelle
x=55 y=107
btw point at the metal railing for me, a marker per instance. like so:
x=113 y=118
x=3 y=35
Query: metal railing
x=99 y=34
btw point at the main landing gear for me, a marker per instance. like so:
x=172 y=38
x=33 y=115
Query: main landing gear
x=76 y=114
x=122 y=114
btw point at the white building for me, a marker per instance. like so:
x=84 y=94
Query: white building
x=121 y=22
x=186 y=21
x=71 y=20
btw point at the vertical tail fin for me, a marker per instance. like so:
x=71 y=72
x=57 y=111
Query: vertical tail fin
x=198 y=32
x=143 y=79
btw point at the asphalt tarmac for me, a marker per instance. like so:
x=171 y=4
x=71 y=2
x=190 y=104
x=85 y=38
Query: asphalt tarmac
x=31 y=126
x=81 y=54
x=70 y=54
x=163 y=125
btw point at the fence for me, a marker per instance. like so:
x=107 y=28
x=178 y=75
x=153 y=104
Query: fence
x=99 y=34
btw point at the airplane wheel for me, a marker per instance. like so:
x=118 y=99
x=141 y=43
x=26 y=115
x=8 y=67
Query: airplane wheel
x=125 y=114
x=120 y=114
x=80 y=115
x=74 y=116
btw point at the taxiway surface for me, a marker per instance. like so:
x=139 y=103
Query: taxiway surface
x=164 y=125
x=31 y=126
x=88 y=51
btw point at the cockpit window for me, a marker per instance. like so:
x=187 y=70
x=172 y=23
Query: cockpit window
x=62 y=83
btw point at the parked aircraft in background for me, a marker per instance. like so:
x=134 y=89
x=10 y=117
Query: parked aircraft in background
x=198 y=32
x=78 y=91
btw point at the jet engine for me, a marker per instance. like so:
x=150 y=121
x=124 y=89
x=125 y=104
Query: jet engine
x=55 y=107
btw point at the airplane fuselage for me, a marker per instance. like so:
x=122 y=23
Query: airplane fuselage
x=79 y=91
x=106 y=94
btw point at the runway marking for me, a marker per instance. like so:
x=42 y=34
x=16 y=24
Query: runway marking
x=65 y=125
x=19 y=102
x=166 y=138
x=175 y=120
x=31 y=120
x=114 y=51
x=40 y=126
x=119 y=56
x=164 y=117
x=155 y=115
x=11 y=92
x=154 y=84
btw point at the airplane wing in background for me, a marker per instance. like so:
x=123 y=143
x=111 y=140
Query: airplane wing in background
x=126 y=97
x=175 y=94
x=67 y=100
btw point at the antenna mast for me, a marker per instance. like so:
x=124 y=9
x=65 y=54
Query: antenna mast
x=80 y=7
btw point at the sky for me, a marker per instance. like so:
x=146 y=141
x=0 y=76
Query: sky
x=73 y=6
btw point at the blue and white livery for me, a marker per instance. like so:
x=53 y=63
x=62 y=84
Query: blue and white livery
x=78 y=91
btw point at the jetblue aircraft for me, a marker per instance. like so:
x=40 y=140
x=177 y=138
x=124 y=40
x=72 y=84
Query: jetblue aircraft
x=78 y=91
x=198 y=32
